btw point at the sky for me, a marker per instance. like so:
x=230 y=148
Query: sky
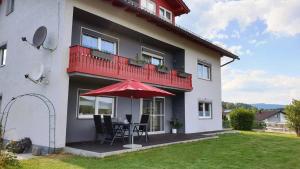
x=265 y=34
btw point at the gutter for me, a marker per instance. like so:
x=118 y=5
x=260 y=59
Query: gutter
x=233 y=59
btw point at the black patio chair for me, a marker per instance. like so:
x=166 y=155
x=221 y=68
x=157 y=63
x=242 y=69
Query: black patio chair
x=126 y=127
x=111 y=133
x=142 y=127
x=98 y=127
x=129 y=118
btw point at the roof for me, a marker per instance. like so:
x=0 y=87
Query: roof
x=264 y=114
x=181 y=7
x=134 y=8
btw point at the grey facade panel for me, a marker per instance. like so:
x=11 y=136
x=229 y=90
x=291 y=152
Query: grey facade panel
x=130 y=43
x=84 y=130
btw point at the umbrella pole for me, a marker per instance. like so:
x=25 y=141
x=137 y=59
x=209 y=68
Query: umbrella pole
x=131 y=125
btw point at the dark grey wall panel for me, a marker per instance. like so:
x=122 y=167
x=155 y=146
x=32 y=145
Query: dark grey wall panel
x=83 y=129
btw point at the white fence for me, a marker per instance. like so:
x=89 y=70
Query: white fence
x=281 y=127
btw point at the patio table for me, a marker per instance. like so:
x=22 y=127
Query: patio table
x=130 y=126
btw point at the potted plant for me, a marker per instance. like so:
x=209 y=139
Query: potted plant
x=137 y=61
x=182 y=74
x=162 y=68
x=175 y=125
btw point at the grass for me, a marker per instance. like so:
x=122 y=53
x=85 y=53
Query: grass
x=247 y=150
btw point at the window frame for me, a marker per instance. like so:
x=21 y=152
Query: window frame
x=99 y=36
x=165 y=14
x=87 y=117
x=10 y=6
x=3 y=53
x=204 y=64
x=204 y=106
x=153 y=54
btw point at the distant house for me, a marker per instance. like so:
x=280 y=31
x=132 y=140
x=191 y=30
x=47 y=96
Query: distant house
x=271 y=116
x=226 y=113
x=275 y=120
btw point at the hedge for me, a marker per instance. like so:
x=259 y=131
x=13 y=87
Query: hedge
x=242 y=119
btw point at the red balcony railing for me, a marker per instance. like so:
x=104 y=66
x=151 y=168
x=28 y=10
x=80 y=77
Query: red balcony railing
x=82 y=61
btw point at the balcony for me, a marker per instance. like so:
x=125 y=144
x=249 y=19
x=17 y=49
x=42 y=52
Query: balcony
x=118 y=67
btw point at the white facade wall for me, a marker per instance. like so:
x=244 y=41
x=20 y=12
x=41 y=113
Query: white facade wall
x=29 y=118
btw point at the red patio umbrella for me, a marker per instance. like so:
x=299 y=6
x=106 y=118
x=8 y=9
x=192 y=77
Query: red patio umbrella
x=129 y=88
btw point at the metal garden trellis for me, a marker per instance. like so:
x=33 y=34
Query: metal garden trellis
x=51 y=112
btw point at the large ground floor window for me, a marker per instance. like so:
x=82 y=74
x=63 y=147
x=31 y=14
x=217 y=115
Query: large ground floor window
x=89 y=106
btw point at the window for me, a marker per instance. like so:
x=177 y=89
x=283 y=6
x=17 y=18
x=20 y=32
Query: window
x=149 y=5
x=204 y=70
x=205 y=110
x=89 y=106
x=10 y=6
x=152 y=57
x=3 y=53
x=101 y=42
x=165 y=14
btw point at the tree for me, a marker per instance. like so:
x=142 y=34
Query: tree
x=293 y=116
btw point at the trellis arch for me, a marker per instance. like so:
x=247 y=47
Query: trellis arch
x=51 y=112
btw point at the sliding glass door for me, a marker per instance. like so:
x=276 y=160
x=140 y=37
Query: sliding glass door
x=155 y=108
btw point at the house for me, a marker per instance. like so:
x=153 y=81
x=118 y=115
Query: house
x=95 y=43
x=270 y=116
x=226 y=113
x=275 y=120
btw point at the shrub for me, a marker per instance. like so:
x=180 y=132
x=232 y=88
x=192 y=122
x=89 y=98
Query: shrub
x=19 y=146
x=8 y=160
x=293 y=116
x=242 y=119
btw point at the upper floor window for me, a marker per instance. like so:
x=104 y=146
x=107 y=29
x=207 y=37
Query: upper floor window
x=89 y=106
x=165 y=14
x=3 y=51
x=149 y=5
x=204 y=110
x=10 y=6
x=204 y=70
x=99 y=42
x=152 y=56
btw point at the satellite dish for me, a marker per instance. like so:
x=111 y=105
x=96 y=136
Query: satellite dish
x=39 y=37
x=37 y=76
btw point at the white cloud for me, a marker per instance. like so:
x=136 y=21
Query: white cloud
x=209 y=18
x=257 y=42
x=236 y=49
x=257 y=86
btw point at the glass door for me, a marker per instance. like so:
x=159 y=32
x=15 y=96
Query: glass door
x=155 y=108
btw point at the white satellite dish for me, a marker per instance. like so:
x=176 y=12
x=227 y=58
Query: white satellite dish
x=37 y=76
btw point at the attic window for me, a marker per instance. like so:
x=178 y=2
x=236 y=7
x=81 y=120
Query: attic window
x=165 y=14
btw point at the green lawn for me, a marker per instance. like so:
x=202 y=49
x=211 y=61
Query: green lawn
x=248 y=150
